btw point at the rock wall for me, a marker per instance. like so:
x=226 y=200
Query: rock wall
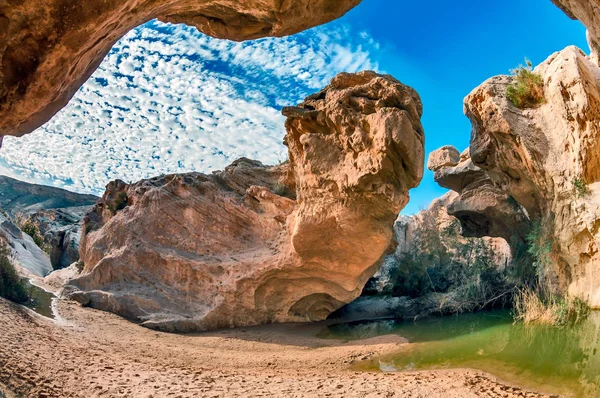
x=588 y=12
x=60 y=230
x=255 y=244
x=547 y=159
x=29 y=260
x=48 y=48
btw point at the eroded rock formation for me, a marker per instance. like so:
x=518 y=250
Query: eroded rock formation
x=482 y=208
x=547 y=159
x=255 y=244
x=48 y=48
x=588 y=12
x=60 y=230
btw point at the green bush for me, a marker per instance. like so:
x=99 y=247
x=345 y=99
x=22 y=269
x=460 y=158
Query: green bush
x=32 y=230
x=527 y=90
x=11 y=285
x=461 y=269
x=537 y=305
x=580 y=188
x=540 y=245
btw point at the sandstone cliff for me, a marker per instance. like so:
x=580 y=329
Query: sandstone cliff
x=255 y=244
x=546 y=159
x=587 y=11
x=49 y=48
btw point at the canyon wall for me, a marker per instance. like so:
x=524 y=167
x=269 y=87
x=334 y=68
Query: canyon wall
x=255 y=244
x=49 y=48
x=588 y=12
x=541 y=163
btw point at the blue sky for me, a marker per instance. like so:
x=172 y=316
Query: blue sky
x=169 y=99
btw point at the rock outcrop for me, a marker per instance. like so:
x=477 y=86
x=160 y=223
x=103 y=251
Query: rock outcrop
x=50 y=214
x=60 y=230
x=431 y=264
x=255 y=244
x=483 y=209
x=588 y=12
x=547 y=159
x=27 y=257
x=48 y=49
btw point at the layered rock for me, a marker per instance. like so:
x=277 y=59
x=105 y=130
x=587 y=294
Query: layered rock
x=48 y=49
x=483 y=209
x=547 y=159
x=255 y=244
x=52 y=215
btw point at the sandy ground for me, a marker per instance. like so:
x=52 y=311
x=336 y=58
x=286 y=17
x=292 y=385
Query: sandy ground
x=88 y=353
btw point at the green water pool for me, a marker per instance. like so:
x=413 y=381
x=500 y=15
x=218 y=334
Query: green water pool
x=553 y=360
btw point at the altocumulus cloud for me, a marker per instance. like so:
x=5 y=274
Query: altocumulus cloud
x=168 y=99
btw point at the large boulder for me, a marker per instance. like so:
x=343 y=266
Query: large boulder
x=49 y=48
x=547 y=159
x=255 y=244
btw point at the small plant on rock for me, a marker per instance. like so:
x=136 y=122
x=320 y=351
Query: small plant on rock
x=527 y=90
x=32 y=230
x=580 y=188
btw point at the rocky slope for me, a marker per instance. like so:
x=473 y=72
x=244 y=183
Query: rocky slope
x=52 y=215
x=27 y=257
x=48 y=49
x=255 y=244
x=546 y=159
x=18 y=197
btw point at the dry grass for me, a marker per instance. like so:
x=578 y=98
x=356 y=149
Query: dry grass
x=542 y=307
x=527 y=90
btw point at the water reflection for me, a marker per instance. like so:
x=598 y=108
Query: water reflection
x=559 y=361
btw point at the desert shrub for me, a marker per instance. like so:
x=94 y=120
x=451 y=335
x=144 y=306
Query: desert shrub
x=11 y=285
x=462 y=270
x=540 y=306
x=280 y=189
x=540 y=245
x=580 y=188
x=32 y=230
x=527 y=90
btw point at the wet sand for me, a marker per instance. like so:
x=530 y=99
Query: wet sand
x=89 y=353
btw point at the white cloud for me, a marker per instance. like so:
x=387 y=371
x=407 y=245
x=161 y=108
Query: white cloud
x=168 y=99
